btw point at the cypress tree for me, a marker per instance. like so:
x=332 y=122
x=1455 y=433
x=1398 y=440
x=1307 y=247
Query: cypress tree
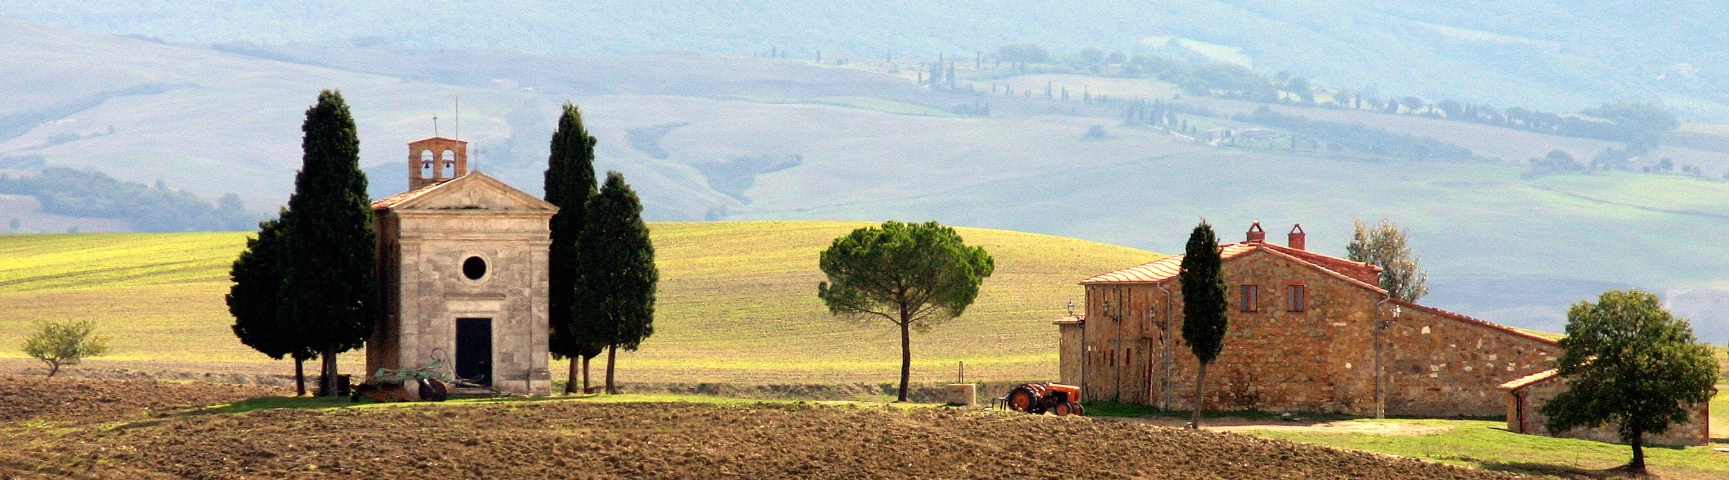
x=617 y=267
x=1204 y=304
x=569 y=185
x=255 y=300
x=329 y=285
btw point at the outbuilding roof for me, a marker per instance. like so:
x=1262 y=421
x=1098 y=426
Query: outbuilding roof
x=1529 y=380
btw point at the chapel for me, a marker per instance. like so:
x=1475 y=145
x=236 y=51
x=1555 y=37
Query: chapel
x=462 y=268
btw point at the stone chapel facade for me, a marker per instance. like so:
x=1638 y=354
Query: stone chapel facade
x=462 y=264
x=1308 y=333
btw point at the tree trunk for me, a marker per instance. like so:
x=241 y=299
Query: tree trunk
x=585 y=374
x=611 y=360
x=906 y=359
x=53 y=368
x=1200 y=379
x=299 y=377
x=1638 y=463
x=570 y=378
x=327 y=385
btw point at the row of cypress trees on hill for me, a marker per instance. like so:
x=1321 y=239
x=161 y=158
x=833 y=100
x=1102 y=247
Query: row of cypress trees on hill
x=306 y=287
x=602 y=273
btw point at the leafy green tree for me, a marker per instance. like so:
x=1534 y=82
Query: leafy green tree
x=1204 y=303
x=569 y=185
x=255 y=300
x=329 y=286
x=1628 y=362
x=915 y=275
x=60 y=344
x=616 y=264
x=1386 y=245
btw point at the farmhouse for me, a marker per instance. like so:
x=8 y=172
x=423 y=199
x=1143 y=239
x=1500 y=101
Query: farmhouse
x=1308 y=332
x=463 y=274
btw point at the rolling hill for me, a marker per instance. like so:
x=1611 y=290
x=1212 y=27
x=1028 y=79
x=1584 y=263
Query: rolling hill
x=737 y=303
x=704 y=136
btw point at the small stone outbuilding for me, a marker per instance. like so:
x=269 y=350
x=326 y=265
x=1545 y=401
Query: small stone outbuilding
x=1526 y=396
x=462 y=261
x=1308 y=333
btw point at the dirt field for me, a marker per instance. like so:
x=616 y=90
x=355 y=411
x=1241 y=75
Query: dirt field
x=81 y=428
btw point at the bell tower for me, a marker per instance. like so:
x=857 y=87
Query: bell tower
x=435 y=160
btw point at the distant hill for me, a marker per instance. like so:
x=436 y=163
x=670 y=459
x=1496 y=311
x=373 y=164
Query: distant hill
x=704 y=136
x=737 y=303
x=1550 y=54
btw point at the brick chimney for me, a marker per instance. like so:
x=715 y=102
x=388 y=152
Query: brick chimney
x=1298 y=239
x=1256 y=234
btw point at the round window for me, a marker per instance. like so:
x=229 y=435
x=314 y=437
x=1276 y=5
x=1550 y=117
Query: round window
x=474 y=268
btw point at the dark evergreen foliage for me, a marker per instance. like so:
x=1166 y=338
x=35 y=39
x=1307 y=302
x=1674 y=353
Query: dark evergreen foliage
x=1629 y=363
x=255 y=300
x=330 y=284
x=913 y=275
x=617 y=271
x=569 y=185
x=1204 y=304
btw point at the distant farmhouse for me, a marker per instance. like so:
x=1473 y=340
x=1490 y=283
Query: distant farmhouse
x=1308 y=333
x=463 y=271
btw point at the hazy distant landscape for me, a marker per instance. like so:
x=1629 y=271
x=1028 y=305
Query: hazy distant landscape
x=709 y=127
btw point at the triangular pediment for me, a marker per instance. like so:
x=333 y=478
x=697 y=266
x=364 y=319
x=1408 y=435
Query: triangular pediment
x=473 y=191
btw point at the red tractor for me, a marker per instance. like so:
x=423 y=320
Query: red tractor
x=1038 y=398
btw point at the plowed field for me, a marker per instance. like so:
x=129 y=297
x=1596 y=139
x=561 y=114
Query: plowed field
x=571 y=439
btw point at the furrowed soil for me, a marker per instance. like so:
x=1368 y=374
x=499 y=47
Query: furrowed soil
x=80 y=428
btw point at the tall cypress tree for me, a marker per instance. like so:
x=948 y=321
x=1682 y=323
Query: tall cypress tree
x=329 y=285
x=255 y=300
x=618 y=272
x=569 y=185
x=1204 y=304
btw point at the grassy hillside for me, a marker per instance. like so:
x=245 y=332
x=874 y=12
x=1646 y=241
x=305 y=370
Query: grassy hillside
x=737 y=303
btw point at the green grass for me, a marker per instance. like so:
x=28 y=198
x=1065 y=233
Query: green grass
x=1488 y=445
x=737 y=304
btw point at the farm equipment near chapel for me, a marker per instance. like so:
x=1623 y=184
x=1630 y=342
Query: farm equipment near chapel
x=1038 y=398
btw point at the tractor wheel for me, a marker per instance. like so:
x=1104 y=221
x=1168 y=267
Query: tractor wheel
x=1022 y=399
x=1077 y=409
x=1063 y=409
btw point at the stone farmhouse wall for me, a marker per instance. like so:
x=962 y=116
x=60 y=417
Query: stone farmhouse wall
x=1321 y=359
x=1440 y=365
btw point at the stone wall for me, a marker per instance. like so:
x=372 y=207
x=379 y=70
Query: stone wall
x=1524 y=415
x=1440 y=365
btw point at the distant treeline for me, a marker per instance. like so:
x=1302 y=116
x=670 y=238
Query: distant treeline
x=1359 y=137
x=64 y=191
x=1638 y=125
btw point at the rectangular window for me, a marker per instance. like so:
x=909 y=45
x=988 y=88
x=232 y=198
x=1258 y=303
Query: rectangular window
x=1251 y=298
x=1296 y=298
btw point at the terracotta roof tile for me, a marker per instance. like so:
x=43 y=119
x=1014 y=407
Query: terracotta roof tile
x=393 y=200
x=1070 y=320
x=1528 y=380
x=1161 y=270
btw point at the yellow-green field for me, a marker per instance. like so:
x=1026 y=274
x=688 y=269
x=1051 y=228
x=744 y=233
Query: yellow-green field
x=737 y=303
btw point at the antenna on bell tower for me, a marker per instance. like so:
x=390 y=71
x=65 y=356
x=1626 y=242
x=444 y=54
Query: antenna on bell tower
x=458 y=134
x=434 y=124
